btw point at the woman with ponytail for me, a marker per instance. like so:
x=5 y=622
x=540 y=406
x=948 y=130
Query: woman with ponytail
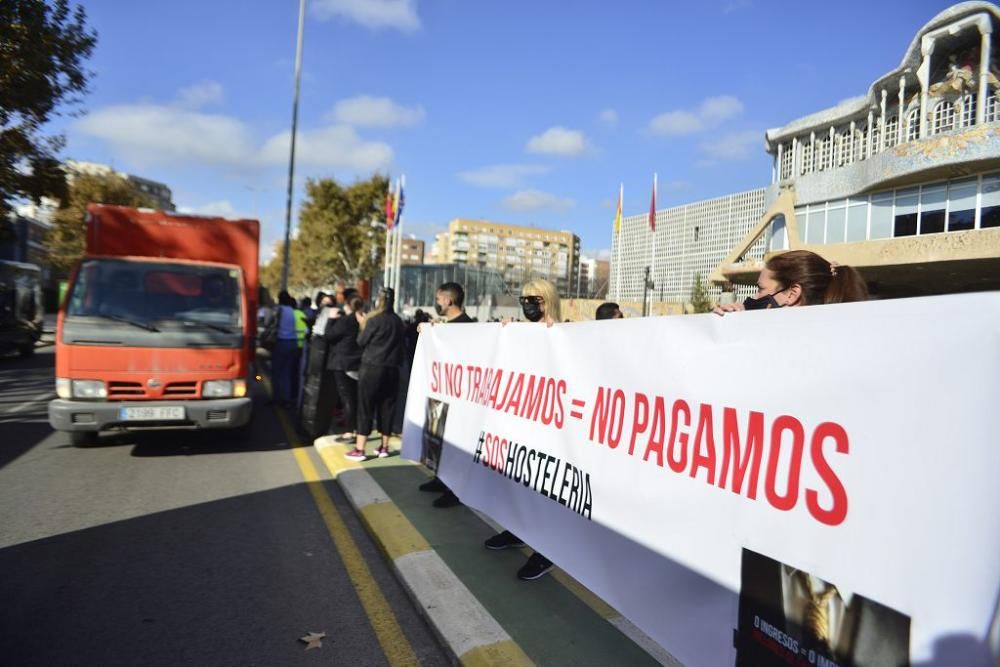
x=801 y=278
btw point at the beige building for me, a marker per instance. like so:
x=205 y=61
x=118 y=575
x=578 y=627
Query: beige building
x=518 y=253
x=411 y=252
x=903 y=182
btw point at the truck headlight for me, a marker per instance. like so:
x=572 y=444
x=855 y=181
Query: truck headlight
x=217 y=389
x=88 y=389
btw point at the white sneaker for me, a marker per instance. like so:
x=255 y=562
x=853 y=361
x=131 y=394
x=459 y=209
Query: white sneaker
x=383 y=452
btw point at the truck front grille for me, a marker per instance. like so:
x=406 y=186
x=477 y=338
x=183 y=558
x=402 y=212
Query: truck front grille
x=181 y=390
x=125 y=390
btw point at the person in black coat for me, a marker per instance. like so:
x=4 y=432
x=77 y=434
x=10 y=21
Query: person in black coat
x=381 y=342
x=344 y=361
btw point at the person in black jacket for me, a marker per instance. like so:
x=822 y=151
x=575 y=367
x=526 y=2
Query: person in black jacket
x=449 y=303
x=344 y=360
x=381 y=343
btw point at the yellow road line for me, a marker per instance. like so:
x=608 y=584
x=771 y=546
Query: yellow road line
x=390 y=635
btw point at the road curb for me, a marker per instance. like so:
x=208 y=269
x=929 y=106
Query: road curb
x=467 y=630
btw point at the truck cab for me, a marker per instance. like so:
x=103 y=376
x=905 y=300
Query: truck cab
x=158 y=325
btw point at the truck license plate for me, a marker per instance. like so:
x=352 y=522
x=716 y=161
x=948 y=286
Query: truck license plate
x=153 y=413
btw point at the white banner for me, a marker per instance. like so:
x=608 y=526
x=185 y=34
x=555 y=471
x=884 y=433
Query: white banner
x=814 y=486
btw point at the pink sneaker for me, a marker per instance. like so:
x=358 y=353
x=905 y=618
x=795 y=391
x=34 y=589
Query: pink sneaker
x=383 y=452
x=356 y=455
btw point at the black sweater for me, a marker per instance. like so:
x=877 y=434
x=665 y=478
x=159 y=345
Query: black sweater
x=381 y=341
x=341 y=334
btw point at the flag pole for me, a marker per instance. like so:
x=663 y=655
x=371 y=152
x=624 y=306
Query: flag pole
x=616 y=255
x=652 y=272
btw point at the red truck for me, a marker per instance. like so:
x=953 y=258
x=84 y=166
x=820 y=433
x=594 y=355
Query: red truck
x=158 y=325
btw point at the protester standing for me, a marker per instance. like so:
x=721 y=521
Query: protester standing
x=539 y=303
x=381 y=343
x=344 y=362
x=609 y=311
x=449 y=303
x=285 y=356
x=801 y=278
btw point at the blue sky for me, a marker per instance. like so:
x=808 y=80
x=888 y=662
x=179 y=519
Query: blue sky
x=527 y=112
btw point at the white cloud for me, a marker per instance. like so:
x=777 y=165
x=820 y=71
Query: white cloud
x=710 y=113
x=334 y=147
x=502 y=175
x=151 y=134
x=731 y=147
x=534 y=200
x=558 y=141
x=608 y=117
x=200 y=95
x=148 y=134
x=375 y=14
x=367 y=111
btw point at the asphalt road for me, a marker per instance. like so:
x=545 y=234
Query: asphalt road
x=181 y=548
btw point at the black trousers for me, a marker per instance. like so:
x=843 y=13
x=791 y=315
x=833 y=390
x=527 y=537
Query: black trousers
x=377 y=390
x=347 y=390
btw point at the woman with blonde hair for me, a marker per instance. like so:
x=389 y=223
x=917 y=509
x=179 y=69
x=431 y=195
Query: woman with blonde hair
x=539 y=303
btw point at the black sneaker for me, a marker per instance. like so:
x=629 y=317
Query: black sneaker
x=448 y=499
x=536 y=567
x=433 y=485
x=504 y=540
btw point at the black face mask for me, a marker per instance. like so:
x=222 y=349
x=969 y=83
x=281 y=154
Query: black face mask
x=765 y=302
x=532 y=308
x=439 y=309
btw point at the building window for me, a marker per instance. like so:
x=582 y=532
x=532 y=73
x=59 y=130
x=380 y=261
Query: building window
x=836 y=220
x=962 y=205
x=845 y=148
x=876 y=137
x=913 y=125
x=933 y=200
x=891 y=131
x=824 y=154
x=807 y=158
x=992 y=109
x=967 y=115
x=860 y=143
x=944 y=117
x=857 y=220
x=881 y=216
x=990 y=214
x=786 y=161
x=905 y=219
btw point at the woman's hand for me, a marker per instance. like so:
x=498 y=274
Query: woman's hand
x=505 y=321
x=724 y=308
x=360 y=317
x=424 y=325
x=549 y=321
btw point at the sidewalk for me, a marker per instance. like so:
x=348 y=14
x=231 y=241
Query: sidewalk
x=482 y=613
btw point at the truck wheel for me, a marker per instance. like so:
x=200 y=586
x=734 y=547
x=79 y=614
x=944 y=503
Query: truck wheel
x=83 y=438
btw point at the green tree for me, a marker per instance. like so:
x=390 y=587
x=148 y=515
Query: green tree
x=701 y=302
x=68 y=234
x=43 y=44
x=336 y=239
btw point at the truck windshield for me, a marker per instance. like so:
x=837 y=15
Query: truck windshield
x=157 y=294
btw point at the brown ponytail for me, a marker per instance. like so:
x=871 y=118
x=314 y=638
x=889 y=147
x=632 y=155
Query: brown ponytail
x=821 y=281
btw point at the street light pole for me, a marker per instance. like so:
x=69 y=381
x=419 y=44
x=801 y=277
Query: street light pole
x=291 y=159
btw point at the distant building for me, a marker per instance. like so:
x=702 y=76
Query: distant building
x=158 y=192
x=518 y=253
x=602 y=277
x=411 y=252
x=690 y=240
